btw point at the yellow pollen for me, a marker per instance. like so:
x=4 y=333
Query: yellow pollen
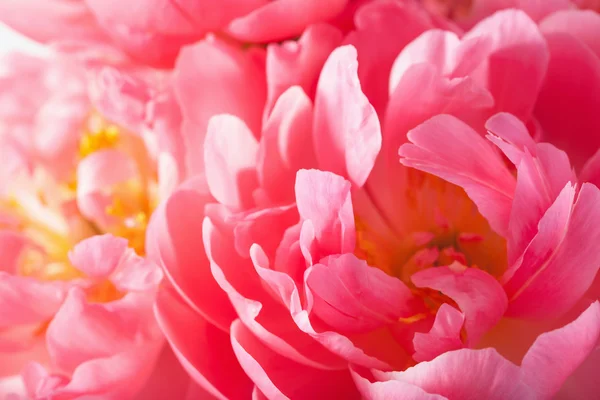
x=413 y=319
x=104 y=292
x=105 y=137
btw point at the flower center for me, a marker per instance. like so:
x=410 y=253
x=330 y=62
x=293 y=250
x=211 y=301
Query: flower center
x=440 y=226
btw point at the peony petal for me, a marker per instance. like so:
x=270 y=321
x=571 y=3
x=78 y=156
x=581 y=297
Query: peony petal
x=383 y=29
x=286 y=145
x=283 y=19
x=555 y=355
x=232 y=82
x=490 y=376
x=230 y=152
x=324 y=199
x=478 y=294
x=583 y=25
x=514 y=135
x=280 y=378
x=203 y=350
x=591 y=170
x=298 y=62
x=574 y=72
x=346 y=129
x=567 y=234
x=466 y=160
x=174 y=242
x=444 y=335
x=99 y=255
x=393 y=390
x=353 y=297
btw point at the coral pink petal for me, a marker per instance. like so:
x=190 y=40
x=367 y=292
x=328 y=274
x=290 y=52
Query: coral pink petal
x=280 y=378
x=514 y=135
x=383 y=29
x=203 y=350
x=230 y=152
x=26 y=300
x=286 y=145
x=324 y=199
x=99 y=255
x=516 y=63
x=62 y=20
x=583 y=25
x=97 y=174
x=478 y=294
x=298 y=62
x=174 y=243
x=283 y=19
x=446 y=147
x=354 y=297
x=82 y=331
x=567 y=234
x=233 y=82
x=392 y=390
x=12 y=245
x=346 y=128
x=490 y=376
x=591 y=170
x=574 y=72
x=555 y=355
x=260 y=311
x=444 y=335
x=118 y=376
x=434 y=47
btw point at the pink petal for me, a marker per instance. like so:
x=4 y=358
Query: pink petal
x=444 y=335
x=286 y=145
x=203 y=350
x=97 y=174
x=154 y=32
x=446 y=147
x=346 y=129
x=233 y=82
x=583 y=25
x=566 y=237
x=591 y=170
x=514 y=135
x=555 y=355
x=490 y=376
x=279 y=377
x=383 y=29
x=174 y=242
x=516 y=63
x=99 y=255
x=574 y=72
x=230 y=154
x=82 y=331
x=298 y=62
x=393 y=390
x=258 y=309
x=324 y=199
x=12 y=245
x=479 y=296
x=26 y=300
x=283 y=19
x=62 y=19
x=354 y=297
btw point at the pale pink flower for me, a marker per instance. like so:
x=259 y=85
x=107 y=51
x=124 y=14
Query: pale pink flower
x=336 y=268
x=88 y=154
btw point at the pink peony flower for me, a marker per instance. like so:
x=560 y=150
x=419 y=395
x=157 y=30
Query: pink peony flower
x=154 y=32
x=308 y=259
x=76 y=192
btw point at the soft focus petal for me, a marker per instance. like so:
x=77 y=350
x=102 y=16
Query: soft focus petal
x=283 y=19
x=99 y=255
x=443 y=336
